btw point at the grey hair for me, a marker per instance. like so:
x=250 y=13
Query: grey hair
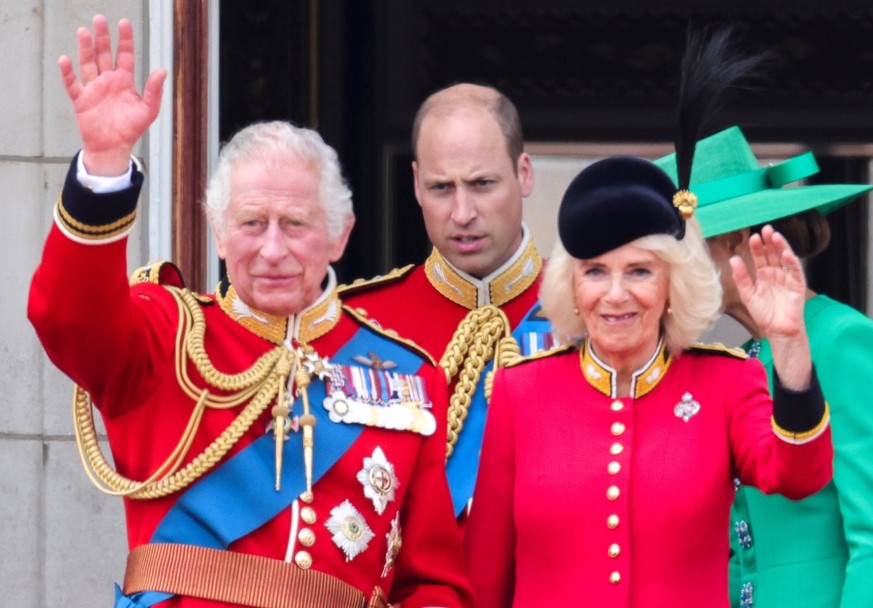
x=266 y=141
x=694 y=289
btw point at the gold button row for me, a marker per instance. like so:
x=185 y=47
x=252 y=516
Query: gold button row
x=613 y=492
x=306 y=536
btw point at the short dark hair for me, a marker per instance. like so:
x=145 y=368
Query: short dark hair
x=808 y=232
x=488 y=98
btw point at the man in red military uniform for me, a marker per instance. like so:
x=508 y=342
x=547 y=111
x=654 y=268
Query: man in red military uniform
x=471 y=174
x=273 y=448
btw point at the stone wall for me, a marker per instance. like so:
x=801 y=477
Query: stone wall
x=62 y=543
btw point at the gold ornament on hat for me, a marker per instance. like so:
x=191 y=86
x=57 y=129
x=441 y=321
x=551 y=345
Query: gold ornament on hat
x=686 y=202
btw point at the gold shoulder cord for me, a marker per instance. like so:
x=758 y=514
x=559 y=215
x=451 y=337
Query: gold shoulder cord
x=259 y=385
x=484 y=334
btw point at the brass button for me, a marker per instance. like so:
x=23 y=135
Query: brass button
x=303 y=560
x=617 y=428
x=613 y=492
x=307 y=514
x=612 y=522
x=616 y=406
x=306 y=537
x=616 y=448
x=615 y=578
x=614 y=550
x=613 y=468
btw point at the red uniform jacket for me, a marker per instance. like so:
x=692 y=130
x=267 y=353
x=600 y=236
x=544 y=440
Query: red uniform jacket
x=588 y=499
x=118 y=342
x=428 y=302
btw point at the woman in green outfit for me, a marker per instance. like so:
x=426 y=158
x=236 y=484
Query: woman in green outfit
x=817 y=552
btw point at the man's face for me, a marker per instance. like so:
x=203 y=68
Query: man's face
x=469 y=190
x=275 y=243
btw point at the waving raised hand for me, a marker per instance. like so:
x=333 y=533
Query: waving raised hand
x=775 y=295
x=112 y=115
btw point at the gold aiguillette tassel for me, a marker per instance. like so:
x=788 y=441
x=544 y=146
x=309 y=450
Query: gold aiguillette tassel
x=280 y=413
x=307 y=422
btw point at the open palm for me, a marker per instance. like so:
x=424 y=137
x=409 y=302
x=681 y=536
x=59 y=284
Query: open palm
x=111 y=114
x=775 y=295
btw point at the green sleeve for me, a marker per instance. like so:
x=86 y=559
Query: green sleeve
x=842 y=347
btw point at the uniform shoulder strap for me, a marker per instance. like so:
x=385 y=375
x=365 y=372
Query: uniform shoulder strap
x=364 y=285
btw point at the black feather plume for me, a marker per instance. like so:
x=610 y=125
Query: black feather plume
x=711 y=64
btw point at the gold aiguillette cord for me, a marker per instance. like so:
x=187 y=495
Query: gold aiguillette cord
x=307 y=421
x=281 y=411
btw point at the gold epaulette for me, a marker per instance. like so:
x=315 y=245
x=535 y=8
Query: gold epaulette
x=542 y=354
x=360 y=285
x=165 y=273
x=718 y=348
x=392 y=335
x=161 y=272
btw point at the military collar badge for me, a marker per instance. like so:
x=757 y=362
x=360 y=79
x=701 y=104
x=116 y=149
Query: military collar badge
x=501 y=286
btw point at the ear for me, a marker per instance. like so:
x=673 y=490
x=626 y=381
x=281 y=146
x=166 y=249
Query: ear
x=220 y=243
x=524 y=169
x=415 y=182
x=737 y=241
x=339 y=245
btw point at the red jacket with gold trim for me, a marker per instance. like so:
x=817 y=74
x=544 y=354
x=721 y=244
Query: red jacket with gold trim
x=118 y=342
x=584 y=498
x=426 y=303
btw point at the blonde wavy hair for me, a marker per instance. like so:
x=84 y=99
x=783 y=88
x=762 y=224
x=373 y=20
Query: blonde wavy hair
x=694 y=289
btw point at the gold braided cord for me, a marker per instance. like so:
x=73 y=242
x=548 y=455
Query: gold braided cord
x=258 y=385
x=483 y=332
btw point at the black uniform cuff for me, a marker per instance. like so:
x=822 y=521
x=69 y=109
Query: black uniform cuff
x=798 y=412
x=92 y=216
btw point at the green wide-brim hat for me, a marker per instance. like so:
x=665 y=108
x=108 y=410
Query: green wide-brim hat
x=733 y=190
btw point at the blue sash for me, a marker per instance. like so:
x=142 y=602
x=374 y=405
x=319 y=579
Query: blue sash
x=239 y=496
x=533 y=334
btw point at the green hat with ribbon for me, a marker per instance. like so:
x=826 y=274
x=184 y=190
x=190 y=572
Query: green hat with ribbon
x=733 y=190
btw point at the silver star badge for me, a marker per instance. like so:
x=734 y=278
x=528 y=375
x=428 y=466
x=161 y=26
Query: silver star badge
x=350 y=532
x=378 y=480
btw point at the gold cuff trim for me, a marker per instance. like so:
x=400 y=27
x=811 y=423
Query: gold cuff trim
x=85 y=231
x=806 y=436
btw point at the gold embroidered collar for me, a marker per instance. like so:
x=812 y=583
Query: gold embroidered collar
x=306 y=326
x=604 y=378
x=501 y=286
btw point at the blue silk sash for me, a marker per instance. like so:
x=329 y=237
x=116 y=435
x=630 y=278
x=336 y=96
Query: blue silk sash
x=239 y=496
x=533 y=334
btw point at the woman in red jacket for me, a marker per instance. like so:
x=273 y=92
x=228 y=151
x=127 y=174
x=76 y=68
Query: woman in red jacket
x=607 y=466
